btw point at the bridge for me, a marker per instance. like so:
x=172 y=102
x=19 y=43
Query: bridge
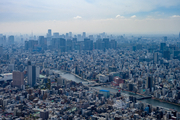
x=142 y=98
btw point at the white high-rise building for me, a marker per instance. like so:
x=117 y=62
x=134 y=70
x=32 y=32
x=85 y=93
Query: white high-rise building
x=84 y=34
x=49 y=33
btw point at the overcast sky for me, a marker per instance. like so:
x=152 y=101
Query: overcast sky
x=93 y=16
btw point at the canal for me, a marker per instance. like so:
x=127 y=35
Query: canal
x=69 y=76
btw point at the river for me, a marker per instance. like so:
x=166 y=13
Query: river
x=70 y=76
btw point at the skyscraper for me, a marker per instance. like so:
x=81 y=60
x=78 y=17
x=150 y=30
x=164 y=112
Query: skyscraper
x=166 y=54
x=113 y=44
x=70 y=34
x=31 y=44
x=11 y=39
x=179 y=35
x=149 y=83
x=155 y=57
x=49 y=33
x=88 y=44
x=1 y=50
x=18 y=79
x=84 y=34
x=56 y=35
x=165 y=38
x=162 y=46
x=43 y=42
x=31 y=74
x=106 y=43
x=99 y=44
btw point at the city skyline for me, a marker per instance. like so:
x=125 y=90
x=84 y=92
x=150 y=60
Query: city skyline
x=140 y=17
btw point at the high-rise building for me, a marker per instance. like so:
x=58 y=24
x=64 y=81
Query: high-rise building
x=155 y=57
x=162 y=46
x=31 y=44
x=88 y=44
x=49 y=33
x=69 y=45
x=18 y=79
x=165 y=38
x=1 y=50
x=113 y=44
x=44 y=114
x=67 y=35
x=70 y=34
x=106 y=43
x=99 y=44
x=166 y=54
x=1 y=39
x=149 y=82
x=31 y=74
x=43 y=42
x=11 y=39
x=84 y=34
x=56 y=35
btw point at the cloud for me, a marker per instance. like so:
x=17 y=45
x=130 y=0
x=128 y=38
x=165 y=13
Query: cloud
x=77 y=17
x=134 y=16
x=119 y=26
x=175 y=16
x=119 y=16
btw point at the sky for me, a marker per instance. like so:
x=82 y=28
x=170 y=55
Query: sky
x=91 y=16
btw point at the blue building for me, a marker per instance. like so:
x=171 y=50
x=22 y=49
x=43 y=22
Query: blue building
x=106 y=93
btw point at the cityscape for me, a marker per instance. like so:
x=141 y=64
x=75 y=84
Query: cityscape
x=90 y=64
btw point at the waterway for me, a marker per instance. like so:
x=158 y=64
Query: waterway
x=70 y=76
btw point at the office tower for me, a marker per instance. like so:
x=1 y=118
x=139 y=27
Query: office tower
x=18 y=79
x=79 y=37
x=59 y=43
x=43 y=42
x=31 y=44
x=130 y=87
x=1 y=39
x=37 y=71
x=49 y=33
x=91 y=37
x=11 y=39
x=56 y=35
x=149 y=83
x=166 y=54
x=88 y=44
x=67 y=35
x=70 y=34
x=139 y=47
x=113 y=44
x=62 y=44
x=4 y=40
x=165 y=38
x=1 y=50
x=31 y=70
x=69 y=45
x=155 y=57
x=176 y=53
x=162 y=46
x=106 y=43
x=84 y=34
x=99 y=44
x=134 y=48
x=44 y=115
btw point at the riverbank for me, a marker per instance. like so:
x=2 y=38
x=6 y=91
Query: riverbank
x=154 y=102
x=165 y=101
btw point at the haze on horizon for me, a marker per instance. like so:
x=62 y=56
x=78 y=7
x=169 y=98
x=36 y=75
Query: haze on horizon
x=91 y=16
